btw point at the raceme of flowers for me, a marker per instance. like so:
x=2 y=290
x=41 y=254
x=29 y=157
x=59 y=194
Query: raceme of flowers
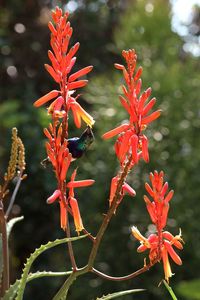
x=131 y=139
x=160 y=244
x=60 y=101
x=62 y=61
x=131 y=143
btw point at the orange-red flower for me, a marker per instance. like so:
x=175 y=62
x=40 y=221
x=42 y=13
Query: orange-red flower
x=57 y=151
x=70 y=202
x=159 y=207
x=62 y=61
x=131 y=140
x=126 y=188
x=73 y=203
x=160 y=249
x=79 y=113
x=160 y=244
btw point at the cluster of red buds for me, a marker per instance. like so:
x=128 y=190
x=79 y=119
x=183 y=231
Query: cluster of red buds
x=161 y=243
x=131 y=140
x=132 y=143
x=61 y=102
x=62 y=61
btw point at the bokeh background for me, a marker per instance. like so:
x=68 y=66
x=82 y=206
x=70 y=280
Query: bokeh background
x=166 y=36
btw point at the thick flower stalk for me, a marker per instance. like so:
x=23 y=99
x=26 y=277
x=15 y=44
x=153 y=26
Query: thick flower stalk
x=60 y=102
x=132 y=143
x=160 y=244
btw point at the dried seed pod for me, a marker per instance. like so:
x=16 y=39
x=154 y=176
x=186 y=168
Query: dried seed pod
x=21 y=156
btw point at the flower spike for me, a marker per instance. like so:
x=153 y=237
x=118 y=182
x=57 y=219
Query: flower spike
x=161 y=244
x=138 y=108
x=59 y=102
x=62 y=62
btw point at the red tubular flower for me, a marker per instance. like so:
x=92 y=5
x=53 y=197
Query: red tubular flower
x=159 y=207
x=58 y=152
x=155 y=246
x=54 y=197
x=161 y=244
x=72 y=202
x=76 y=214
x=131 y=140
x=62 y=61
x=126 y=188
x=63 y=215
x=79 y=113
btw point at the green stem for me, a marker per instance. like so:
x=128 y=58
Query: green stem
x=170 y=290
x=63 y=291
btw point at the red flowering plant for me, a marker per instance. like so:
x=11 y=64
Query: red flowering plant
x=131 y=146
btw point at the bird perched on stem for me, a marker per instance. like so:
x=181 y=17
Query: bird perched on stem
x=79 y=145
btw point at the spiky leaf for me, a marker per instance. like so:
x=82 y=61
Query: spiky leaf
x=11 y=223
x=10 y=294
x=34 y=255
x=120 y=294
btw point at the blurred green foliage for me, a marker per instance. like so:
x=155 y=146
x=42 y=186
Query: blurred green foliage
x=103 y=28
x=189 y=289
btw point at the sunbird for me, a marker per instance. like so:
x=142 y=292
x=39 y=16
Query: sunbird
x=77 y=145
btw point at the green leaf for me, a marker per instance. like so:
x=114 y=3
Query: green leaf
x=189 y=289
x=34 y=255
x=10 y=294
x=11 y=223
x=120 y=294
x=170 y=290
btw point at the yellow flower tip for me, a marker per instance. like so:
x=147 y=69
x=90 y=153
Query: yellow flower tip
x=136 y=233
x=167 y=278
x=78 y=230
x=88 y=119
x=179 y=237
x=91 y=123
x=80 y=113
x=166 y=265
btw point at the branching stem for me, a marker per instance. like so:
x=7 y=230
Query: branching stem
x=62 y=293
x=123 y=278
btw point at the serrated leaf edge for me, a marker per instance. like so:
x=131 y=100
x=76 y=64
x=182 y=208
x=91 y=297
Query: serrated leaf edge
x=33 y=256
x=119 y=294
x=9 y=295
